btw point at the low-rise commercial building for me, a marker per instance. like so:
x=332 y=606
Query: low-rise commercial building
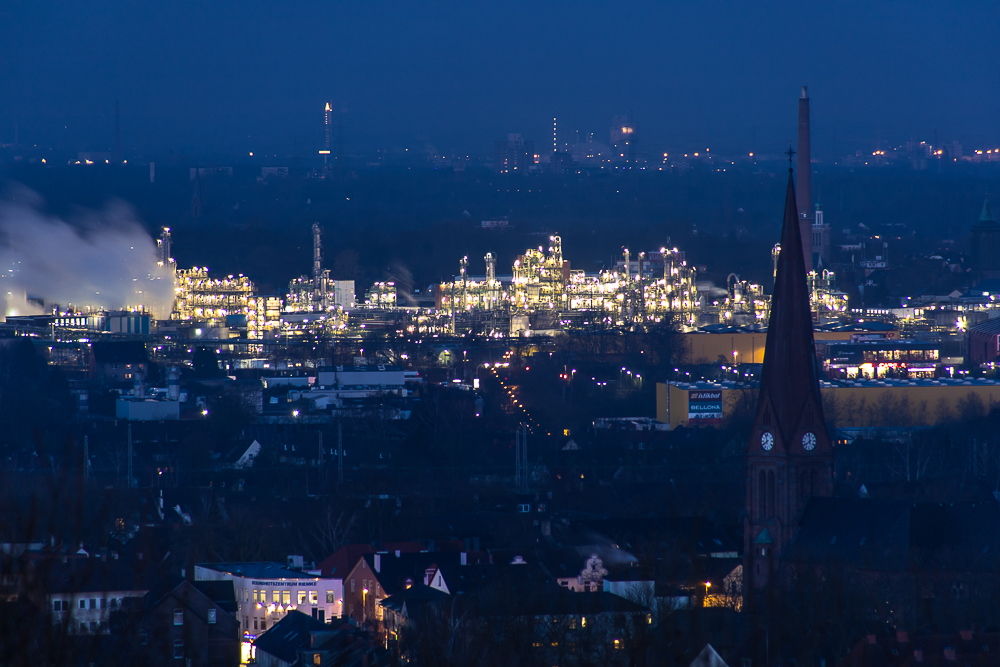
x=847 y=404
x=266 y=591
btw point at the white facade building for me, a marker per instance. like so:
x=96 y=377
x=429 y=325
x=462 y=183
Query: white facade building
x=266 y=591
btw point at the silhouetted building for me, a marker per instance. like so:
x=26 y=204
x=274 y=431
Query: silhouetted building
x=789 y=457
x=192 y=623
x=514 y=155
x=986 y=244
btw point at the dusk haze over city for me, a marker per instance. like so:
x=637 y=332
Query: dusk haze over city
x=644 y=334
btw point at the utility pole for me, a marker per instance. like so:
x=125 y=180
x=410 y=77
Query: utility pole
x=86 y=457
x=320 y=475
x=130 y=455
x=524 y=458
x=340 y=454
x=521 y=458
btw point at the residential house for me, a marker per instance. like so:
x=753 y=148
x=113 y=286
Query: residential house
x=193 y=621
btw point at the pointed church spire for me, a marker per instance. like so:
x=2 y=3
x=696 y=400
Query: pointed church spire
x=788 y=378
x=987 y=214
x=789 y=456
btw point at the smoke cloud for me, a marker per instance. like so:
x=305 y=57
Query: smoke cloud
x=97 y=260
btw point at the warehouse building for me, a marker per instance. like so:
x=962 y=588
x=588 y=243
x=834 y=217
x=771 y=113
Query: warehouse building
x=850 y=404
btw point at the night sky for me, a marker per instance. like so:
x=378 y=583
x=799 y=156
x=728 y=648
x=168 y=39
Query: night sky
x=233 y=76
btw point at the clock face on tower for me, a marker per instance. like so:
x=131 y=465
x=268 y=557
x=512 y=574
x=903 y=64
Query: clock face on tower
x=767 y=441
x=809 y=442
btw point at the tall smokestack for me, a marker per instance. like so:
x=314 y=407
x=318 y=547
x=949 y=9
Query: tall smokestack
x=803 y=186
x=317 y=253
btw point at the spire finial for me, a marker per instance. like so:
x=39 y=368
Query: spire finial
x=790 y=153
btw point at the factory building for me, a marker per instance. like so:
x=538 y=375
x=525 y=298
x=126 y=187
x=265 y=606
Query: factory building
x=983 y=343
x=646 y=287
x=857 y=404
x=211 y=301
x=876 y=359
x=319 y=293
x=654 y=287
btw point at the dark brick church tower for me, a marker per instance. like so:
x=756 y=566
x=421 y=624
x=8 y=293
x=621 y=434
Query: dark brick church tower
x=789 y=456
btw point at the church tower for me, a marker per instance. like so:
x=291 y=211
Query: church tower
x=789 y=456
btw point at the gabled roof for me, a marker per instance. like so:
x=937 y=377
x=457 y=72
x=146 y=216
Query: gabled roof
x=220 y=592
x=287 y=636
x=708 y=657
x=343 y=560
x=393 y=571
x=92 y=575
x=986 y=216
x=413 y=598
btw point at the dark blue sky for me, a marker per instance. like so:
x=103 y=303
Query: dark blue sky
x=226 y=75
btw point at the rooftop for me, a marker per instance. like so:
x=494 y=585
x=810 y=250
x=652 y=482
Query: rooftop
x=262 y=570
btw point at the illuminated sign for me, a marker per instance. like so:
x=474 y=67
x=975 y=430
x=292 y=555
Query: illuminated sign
x=704 y=407
x=276 y=584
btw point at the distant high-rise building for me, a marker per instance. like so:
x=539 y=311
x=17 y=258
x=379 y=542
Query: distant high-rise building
x=623 y=138
x=820 y=240
x=986 y=245
x=327 y=127
x=804 y=183
x=555 y=145
x=514 y=155
x=327 y=133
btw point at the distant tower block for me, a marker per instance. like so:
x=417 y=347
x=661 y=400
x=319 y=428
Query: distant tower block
x=327 y=126
x=327 y=132
x=554 y=144
x=804 y=183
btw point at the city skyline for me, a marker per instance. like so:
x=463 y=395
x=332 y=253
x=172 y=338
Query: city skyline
x=440 y=80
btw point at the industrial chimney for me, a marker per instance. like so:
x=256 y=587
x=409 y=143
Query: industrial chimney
x=803 y=185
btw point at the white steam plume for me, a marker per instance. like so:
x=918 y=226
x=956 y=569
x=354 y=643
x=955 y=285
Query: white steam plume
x=103 y=260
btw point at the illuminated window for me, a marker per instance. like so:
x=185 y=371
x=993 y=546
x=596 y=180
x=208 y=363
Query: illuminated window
x=275 y=596
x=313 y=597
x=286 y=597
x=302 y=597
x=329 y=597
